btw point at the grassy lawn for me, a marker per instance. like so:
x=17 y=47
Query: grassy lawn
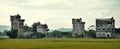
x=60 y=43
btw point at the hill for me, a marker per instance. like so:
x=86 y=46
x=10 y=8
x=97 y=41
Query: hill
x=3 y=27
x=65 y=29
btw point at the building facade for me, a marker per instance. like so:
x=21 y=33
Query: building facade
x=17 y=23
x=78 y=27
x=105 y=27
x=43 y=28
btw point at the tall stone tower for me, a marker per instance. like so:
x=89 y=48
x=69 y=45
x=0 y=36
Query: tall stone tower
x=105 y=27
x=78 y=27
x=17 y=23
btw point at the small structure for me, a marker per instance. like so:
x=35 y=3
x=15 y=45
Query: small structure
x=78 y=27
x=42 y=28
x=17 y=23
x=105 y=27
x=117 y=32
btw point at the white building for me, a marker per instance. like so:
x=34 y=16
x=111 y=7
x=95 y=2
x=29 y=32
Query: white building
x=105 y=27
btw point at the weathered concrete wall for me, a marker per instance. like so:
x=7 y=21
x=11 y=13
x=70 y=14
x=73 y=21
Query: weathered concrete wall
x=78 y=26
x=43 y=28
x=105 y=27
x=17 y=23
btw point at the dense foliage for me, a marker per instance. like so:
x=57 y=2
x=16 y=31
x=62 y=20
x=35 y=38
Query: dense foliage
x=34 y=26
x=90 y=33
x=38 y=35
x=12 y=34
x=59 y=34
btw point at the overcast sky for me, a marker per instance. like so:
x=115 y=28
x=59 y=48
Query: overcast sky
x=59 y=13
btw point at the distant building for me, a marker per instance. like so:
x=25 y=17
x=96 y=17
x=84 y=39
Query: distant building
x=117 y=32
x=78 y=27
x=35 y=26
x=43 y=28
x=17 y=23
x=105 y=27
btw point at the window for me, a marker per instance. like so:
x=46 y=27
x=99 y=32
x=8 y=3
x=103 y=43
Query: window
x=98 y=34
x=12 y=23
x=103 y=22
x=97 y=22
x=108 y=29
x=103 y=29
x=103 y=34
x=98 y=29
x=109 y=22
x=112 y=29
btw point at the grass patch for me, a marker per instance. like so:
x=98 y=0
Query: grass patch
x=60 y=43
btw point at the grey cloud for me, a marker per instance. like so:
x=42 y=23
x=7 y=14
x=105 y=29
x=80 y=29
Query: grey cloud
x=16 y=1
x=57 y=5
x=66 y=9
x=65 y=4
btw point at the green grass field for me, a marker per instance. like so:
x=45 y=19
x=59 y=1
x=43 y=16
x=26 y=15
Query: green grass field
x=60 y=43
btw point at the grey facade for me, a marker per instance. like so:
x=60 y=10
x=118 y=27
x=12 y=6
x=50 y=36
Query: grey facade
x=43 y=28
x=105 y=27
x=117 y=32
x=78 y=27
x=17 y=23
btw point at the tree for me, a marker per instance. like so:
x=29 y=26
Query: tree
x=27 y=28
x=41 y=35
x=13 y=33
x=91 y=33
x=38 y=35
x=1 y=34
x=35 y=26
x=55 y=34
x=66 y=34
x=79 y=35
x=59 y=34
